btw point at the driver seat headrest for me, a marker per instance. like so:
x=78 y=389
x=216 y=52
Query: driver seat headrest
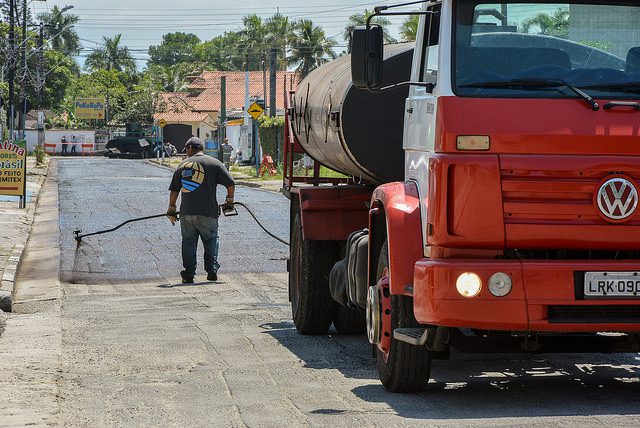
x=633 y=60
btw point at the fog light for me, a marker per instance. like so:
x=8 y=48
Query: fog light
x=468 y=284
x=500 y=284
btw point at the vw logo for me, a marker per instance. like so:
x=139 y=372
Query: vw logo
x=617 y=199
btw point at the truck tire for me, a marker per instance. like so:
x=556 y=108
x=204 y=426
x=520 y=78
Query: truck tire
x=349 y=321
x=311 y=261
x=405 y=368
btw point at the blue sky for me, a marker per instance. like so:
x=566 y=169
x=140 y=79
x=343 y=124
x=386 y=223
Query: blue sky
x=143 y=22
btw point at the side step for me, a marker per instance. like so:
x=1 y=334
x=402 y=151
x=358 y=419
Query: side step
x=414 y=336
x=434 y=338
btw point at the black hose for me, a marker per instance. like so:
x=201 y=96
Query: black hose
x=260 y=224
x=79 y=236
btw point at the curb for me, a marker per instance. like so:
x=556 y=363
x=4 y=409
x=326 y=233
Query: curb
x=7 y=282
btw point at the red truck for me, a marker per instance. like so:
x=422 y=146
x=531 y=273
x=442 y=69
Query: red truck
x=491 y=198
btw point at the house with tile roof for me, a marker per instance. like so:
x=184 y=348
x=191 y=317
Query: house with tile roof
x=196 y=110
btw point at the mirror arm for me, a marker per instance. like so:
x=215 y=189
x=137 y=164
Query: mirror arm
x=381 y=8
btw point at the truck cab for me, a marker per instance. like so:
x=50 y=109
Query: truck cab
x=515 y=226
x=522 y=172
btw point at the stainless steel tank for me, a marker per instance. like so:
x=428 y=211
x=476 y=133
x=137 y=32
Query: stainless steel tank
x=350 y=130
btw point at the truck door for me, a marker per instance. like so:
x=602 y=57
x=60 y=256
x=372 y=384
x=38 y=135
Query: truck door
x=420 y=109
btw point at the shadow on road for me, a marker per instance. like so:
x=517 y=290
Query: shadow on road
x=351 y=355
x=476 y=386
x=509 y=385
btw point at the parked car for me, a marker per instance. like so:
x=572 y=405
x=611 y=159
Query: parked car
x=129 y=147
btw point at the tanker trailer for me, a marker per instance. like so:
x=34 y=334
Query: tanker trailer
x=355 y=132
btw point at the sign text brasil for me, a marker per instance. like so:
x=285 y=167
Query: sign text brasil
x=13 y=166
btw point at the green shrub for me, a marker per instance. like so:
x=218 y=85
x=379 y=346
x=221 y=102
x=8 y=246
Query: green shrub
x=271 y=131
x=38 y=151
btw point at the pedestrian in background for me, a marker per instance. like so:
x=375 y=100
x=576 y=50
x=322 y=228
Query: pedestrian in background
x=74 y=140
x=195 y=181
x=227 y=151
x=63 y=142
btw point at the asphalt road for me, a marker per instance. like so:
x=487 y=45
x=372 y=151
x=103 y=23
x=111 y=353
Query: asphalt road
x=141 y=349
x=97 y=194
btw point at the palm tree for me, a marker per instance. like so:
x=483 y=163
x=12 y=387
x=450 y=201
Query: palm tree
x=409 y=28
x=111 y=56
x=279 y=34
x=550 y=25
x=311 y=48
x=58 y=29
x=173 y=78
x=360 y=19
x=253 y=41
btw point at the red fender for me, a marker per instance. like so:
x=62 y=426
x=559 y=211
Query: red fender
x=401 y=206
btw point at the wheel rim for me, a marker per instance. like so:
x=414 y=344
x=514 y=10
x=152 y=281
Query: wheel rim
x=373 y=315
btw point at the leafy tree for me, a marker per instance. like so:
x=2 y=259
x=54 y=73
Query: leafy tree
x=59 y=72
x=222 y=53
x=175 y=48
x=112 y=56
x=311 y=47
x=138 y=107
x=360 y=19
x=100 y=83
x=58 y=30
x=556 y=24
x=409 y=28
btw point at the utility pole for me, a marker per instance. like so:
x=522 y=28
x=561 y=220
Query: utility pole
x=41 y=79
x=12 y=70
x=272 y=95
x=264 y=82
x=223 y=102
x=23 y=77
x=222 y=117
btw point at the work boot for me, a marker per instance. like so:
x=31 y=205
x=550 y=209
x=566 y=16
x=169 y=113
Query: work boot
x=212 y=276
x=186 y=278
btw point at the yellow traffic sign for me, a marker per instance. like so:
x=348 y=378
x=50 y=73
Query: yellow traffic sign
x=255 y=110
x=162 y=123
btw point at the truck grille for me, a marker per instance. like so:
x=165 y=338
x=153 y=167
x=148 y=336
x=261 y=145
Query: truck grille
x=594 y=314
x=564 y=254
x=537 y=191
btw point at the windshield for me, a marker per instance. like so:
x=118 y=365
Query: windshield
x=592 y=46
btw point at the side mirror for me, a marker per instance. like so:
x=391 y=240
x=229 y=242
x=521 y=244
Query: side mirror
x=366 y=57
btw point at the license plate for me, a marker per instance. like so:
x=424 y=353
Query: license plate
x=611 y=284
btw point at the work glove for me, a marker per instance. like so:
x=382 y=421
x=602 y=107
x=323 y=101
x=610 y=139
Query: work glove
x=228 y=203
x=171 y=214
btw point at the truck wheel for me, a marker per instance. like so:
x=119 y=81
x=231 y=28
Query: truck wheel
x=405 y=368
x=311 y=261
x=349 y=321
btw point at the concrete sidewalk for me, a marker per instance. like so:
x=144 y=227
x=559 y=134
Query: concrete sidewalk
x=30 y=345
x=15 y=226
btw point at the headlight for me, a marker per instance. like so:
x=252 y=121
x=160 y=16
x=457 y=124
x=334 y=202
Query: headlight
x=500 y=284
x=468 y=284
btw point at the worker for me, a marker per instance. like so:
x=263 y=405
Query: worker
x=196 y=180
x=227 y=151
